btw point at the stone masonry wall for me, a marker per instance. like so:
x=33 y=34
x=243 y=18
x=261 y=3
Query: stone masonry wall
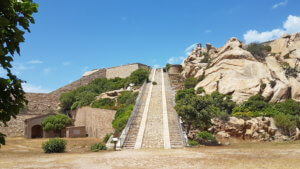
x=124 y=70
x=16 y=127
x=98 y=122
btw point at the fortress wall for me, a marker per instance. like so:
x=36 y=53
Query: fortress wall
x=16 y=127
x=124 y=71
x=97 y=122
x=121 y=71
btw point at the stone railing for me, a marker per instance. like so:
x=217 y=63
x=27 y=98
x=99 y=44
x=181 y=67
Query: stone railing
x=131 y=118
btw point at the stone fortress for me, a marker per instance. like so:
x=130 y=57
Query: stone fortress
x=41 y=105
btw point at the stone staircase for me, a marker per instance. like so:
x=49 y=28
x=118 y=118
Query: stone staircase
x=176 y=139
x=135 y=125
x=160 y=125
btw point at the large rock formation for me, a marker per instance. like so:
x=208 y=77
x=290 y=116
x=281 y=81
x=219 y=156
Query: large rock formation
x=233 y=70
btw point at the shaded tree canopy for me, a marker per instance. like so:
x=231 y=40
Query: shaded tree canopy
x=15 y=18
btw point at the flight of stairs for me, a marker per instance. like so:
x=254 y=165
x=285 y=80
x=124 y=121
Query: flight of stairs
x=153 y=134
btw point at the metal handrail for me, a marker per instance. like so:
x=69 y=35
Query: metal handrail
x=124 y=133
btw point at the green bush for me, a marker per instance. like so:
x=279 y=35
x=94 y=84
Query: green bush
x=286 y=123
x=105 y=103
x=206 y=136
x=106 y=138
x=54 y=145
x=190 y=82
x=97 y=147
x=193 y=143
x=56 y=122
x=200 y=90
x=168 y=66
x=291 y=71
x=127 y=98
x=85 y=95
x=139 y=76
x=259 y=51
x=154 y=83
x=121 y=118
x=197 y=111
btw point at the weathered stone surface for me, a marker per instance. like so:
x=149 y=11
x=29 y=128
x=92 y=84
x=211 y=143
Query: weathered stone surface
x=233 y=70
x=258 y=128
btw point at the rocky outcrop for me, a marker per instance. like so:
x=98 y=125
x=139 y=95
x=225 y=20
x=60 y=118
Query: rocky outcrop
x=233 y=70
x=258 y=128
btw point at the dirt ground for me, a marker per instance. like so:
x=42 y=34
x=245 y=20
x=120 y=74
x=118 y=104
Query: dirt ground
x=27 y=153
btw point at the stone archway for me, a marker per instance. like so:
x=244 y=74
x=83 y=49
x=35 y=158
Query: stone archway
x=37 y=131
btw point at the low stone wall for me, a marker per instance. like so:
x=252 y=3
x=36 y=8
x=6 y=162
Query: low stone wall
x=97 y=122
x=75 y=131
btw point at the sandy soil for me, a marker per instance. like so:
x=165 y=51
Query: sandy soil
x=23 y=153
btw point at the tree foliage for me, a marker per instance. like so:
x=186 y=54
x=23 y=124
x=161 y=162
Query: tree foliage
x=85 y=95
x=56 y=122
x=197 y=111
x=15 y=18
x=259 y=51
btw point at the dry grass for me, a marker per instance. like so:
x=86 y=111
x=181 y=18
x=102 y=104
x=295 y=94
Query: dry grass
x=27 y=153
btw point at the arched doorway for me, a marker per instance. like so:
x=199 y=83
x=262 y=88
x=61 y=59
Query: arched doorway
x=36 y=131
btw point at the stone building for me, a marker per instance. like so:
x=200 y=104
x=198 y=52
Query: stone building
x=33 y=127
x=40 y=104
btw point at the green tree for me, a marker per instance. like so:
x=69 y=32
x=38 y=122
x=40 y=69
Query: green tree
x=56 y=122
x=190 y=82
x=15 y=17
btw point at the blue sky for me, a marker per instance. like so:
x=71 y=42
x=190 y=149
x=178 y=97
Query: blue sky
x=71 y=37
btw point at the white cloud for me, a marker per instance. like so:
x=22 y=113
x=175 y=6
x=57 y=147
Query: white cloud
x=190 y=48
x=47 y=70
x=156 y=66
x=175 y=60
x=207 y=31
x=34 y=89
x=291 y=25
x=66 y=63
x=283 y=3
x=34 y=62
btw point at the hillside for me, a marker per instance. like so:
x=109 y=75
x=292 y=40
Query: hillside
x=233 y=70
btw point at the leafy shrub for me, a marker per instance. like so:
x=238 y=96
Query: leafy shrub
x=105 y=103
x=97 y=147
x=288 y=106
x=106 y=138
x=193 y=143
x=259 y=51
x=139 y=76
x=286 y=123
x=54 y=145
x=168 y=66
x=154 y=83
x=121 y=118
x=56 y=122
x=197 y=111
x=206 y=136
x=200 y=90
x=190 y=82
x=253 y=104
x=85 y=95
x=127 y=98
x=244 y=114
x=290 y=71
